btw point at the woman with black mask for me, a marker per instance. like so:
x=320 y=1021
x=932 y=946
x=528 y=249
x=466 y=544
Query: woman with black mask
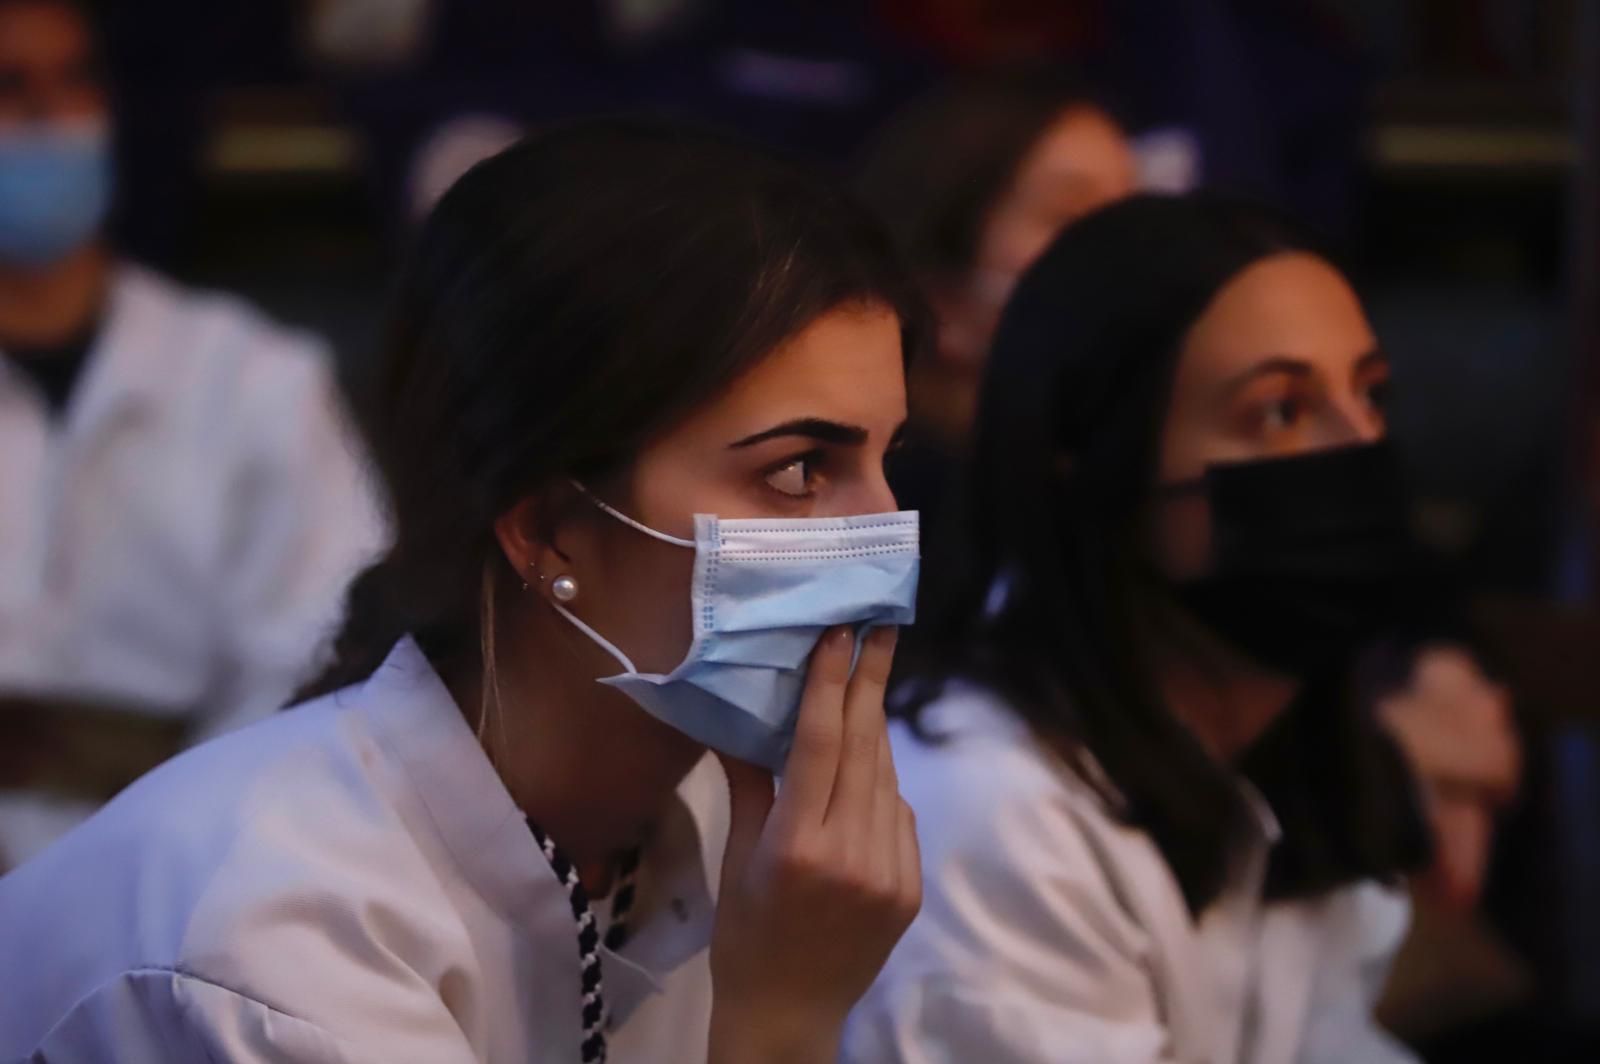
x=1160 y=823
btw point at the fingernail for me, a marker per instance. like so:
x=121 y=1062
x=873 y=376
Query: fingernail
x=842 y=636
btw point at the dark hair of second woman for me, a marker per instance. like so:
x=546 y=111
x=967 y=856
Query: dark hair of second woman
x=637 y=270
x=1046 y=592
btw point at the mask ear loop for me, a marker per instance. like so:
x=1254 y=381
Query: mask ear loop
x=630 y=522
x=605 y=644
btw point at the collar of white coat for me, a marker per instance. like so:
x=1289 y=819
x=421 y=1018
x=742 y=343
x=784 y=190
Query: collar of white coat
x=125 y=371
x=969 y=708
x=479 y=823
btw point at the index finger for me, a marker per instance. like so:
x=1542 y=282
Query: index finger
x=813 y=763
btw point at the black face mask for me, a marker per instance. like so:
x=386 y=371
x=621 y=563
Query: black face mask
x=1312 y=557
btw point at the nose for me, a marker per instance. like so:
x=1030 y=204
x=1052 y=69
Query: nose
x=46 y=97
x=881 y=497
x=872 y=496
x=1354 y=421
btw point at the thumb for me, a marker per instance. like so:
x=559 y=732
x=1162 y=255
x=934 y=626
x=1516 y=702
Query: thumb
x=750 y=799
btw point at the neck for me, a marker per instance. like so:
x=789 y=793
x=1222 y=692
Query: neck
x=49 y=305
x=585 y=763
x=1224 y=697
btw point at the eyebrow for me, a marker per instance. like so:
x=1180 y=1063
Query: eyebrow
x=811 y=428
x=1281 y=364
x=1296 y=368
x=1376 y=357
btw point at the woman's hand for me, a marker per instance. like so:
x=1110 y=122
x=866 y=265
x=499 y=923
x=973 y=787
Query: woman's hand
x=1455 y=727
x=818 y=884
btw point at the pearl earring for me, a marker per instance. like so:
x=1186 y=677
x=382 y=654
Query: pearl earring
x=564 y=588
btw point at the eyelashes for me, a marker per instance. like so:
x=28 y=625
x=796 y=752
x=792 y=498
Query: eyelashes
x=799 y=476
x=794 y=477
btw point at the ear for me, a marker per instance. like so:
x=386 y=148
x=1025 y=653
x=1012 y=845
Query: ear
x=524 y=535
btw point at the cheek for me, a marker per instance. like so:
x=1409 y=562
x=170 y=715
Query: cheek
x=1012 y=240
x=633 y=590
x=1183 y=444
x=677 y=479
x=1030 y=239
x=1180 y=533
x=642 y=596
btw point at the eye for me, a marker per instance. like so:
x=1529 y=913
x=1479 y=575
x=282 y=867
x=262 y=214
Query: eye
x=1378 y=394
x=1279 y=405
x=1281 y=414
x=793 y=478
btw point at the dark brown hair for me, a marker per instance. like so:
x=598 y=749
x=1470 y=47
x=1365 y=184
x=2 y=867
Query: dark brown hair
x=566 y=302
x=1043 y=593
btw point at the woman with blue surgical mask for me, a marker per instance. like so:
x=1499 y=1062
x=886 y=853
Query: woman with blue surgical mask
x=181 y=497
x=1162 y=821
x=636 y=399
x=55 y=180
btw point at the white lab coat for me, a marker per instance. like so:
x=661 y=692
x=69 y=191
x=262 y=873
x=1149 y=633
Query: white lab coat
x=1053 y=934
x=347 y=882
x=180 y=540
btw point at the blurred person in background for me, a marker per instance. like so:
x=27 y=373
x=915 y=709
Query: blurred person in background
x=181 y=504
x=974 y=181
x=1161 y=818
x=497 y=836
x=1259 y=97
x=450 y=150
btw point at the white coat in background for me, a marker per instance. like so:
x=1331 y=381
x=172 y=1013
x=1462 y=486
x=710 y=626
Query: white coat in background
x=1051 y=933
x=346 y=882
x=179 y=539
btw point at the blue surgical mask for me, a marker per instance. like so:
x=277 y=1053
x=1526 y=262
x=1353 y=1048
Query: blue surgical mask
x=763 y=593
x=55 y=190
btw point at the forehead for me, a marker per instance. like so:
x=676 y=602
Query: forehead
x=1080 y=141
x=1292 y=305
x=845 y=366
x=41 y=32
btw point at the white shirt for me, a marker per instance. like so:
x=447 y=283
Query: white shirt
x=346 y=882
x=179 y=539
x=1051 y=932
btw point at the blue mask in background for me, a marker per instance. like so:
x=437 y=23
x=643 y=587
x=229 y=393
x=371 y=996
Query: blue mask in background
x=763 y=592
x=55 y=190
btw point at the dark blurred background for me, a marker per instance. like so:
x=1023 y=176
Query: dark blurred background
x=1447 y=147
x=1439 y=144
